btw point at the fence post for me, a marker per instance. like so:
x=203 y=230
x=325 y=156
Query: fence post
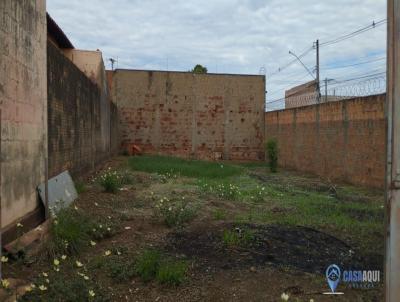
x=392 y=234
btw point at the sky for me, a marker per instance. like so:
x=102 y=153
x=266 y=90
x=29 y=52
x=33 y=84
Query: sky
x=230 y=36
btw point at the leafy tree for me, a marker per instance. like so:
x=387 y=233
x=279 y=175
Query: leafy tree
x=199 y=69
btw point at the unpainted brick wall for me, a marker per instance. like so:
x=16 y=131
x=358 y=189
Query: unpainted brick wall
x=23 y=106
x=341 y=141
x=80 y=118
x=203 y=116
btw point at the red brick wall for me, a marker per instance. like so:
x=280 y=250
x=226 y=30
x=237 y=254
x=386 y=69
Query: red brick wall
x=342 y=141
x=191 y=115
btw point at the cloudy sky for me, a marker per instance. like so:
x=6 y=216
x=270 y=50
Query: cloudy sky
x=230 y=36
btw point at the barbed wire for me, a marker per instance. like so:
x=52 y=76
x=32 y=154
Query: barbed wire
x=336 y=92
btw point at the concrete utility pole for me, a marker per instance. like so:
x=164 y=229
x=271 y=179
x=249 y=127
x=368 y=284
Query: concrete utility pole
x=317 y=67
x=392 y=261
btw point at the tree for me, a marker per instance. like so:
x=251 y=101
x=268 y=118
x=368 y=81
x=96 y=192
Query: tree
x=199 y=69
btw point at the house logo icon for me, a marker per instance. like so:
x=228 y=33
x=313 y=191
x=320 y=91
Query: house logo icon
x=333 y=276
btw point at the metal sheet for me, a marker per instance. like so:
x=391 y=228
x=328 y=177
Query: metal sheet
x=61 y=193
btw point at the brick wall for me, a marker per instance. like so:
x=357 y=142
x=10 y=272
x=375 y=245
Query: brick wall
x=23 y=106
x=204 y=116
x=342 y=140
x=80 y=117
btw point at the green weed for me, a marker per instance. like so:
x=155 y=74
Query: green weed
x=188 y=168
x=171 y=272
x=272 y=151
x=175 y=213
x=70 y=232
x=219 y=214
x=111 y=181
x=238 y=237
x=147 y=264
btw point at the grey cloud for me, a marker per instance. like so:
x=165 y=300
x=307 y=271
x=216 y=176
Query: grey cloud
x=230 y=36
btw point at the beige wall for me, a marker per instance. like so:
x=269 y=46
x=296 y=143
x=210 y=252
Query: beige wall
x=23 y=105
x=89 y=62
x=205 y=116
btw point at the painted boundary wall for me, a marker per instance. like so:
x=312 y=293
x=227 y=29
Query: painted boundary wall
x=341 y=141
x=80 y=118
x=201 y=116
x=23 y=107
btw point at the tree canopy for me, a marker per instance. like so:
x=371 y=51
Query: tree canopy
x=199 y=69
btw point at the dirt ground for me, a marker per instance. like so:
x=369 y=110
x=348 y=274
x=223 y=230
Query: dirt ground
x=283 y=256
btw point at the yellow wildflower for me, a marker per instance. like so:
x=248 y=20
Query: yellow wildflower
x=91 y=293
x=19 y=225
x=63 y=257
x=5 y=283
x=56 y=262
x=79 y=264
x=92 y=243
x=4 y=259
x=42 y=287
x=45 y=274
x=107 y=253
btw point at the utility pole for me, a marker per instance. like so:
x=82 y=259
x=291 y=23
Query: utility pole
x=112 y=63
x=392 y=205
x=317 y=70
x=326 y=89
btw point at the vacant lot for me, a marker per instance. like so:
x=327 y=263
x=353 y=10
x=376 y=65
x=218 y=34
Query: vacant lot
x=176 y=230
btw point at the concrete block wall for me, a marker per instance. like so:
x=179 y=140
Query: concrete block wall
x=340 y=141
x=23 y=106
x=203 y=116
x=79 y=118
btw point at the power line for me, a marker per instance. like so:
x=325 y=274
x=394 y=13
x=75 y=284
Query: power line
x=305 y=52
x=354 y=33
x=351 y=65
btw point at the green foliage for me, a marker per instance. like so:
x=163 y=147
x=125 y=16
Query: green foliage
x=219 y=214
x=272 y=151
x=238 y=237
x=222 y=190
x=188 y=168
x=116 y=267
x=175 y=212
x=151 y=264
x=80 y=187
x=199 y=69
x=111 y=181
x=70 y=289
x=147 y=264
x=70 y=231
x=171 y=272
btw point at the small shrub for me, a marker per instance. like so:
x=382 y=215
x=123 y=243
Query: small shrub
x=272 y=151
x=171 y=272
x=147 y=264
x=151 y=264
x=258 y=194
x=120 y=270
x=69 y=232
x=111 y=181
x=230 y=238
x=238 y=237
x=175 y=212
